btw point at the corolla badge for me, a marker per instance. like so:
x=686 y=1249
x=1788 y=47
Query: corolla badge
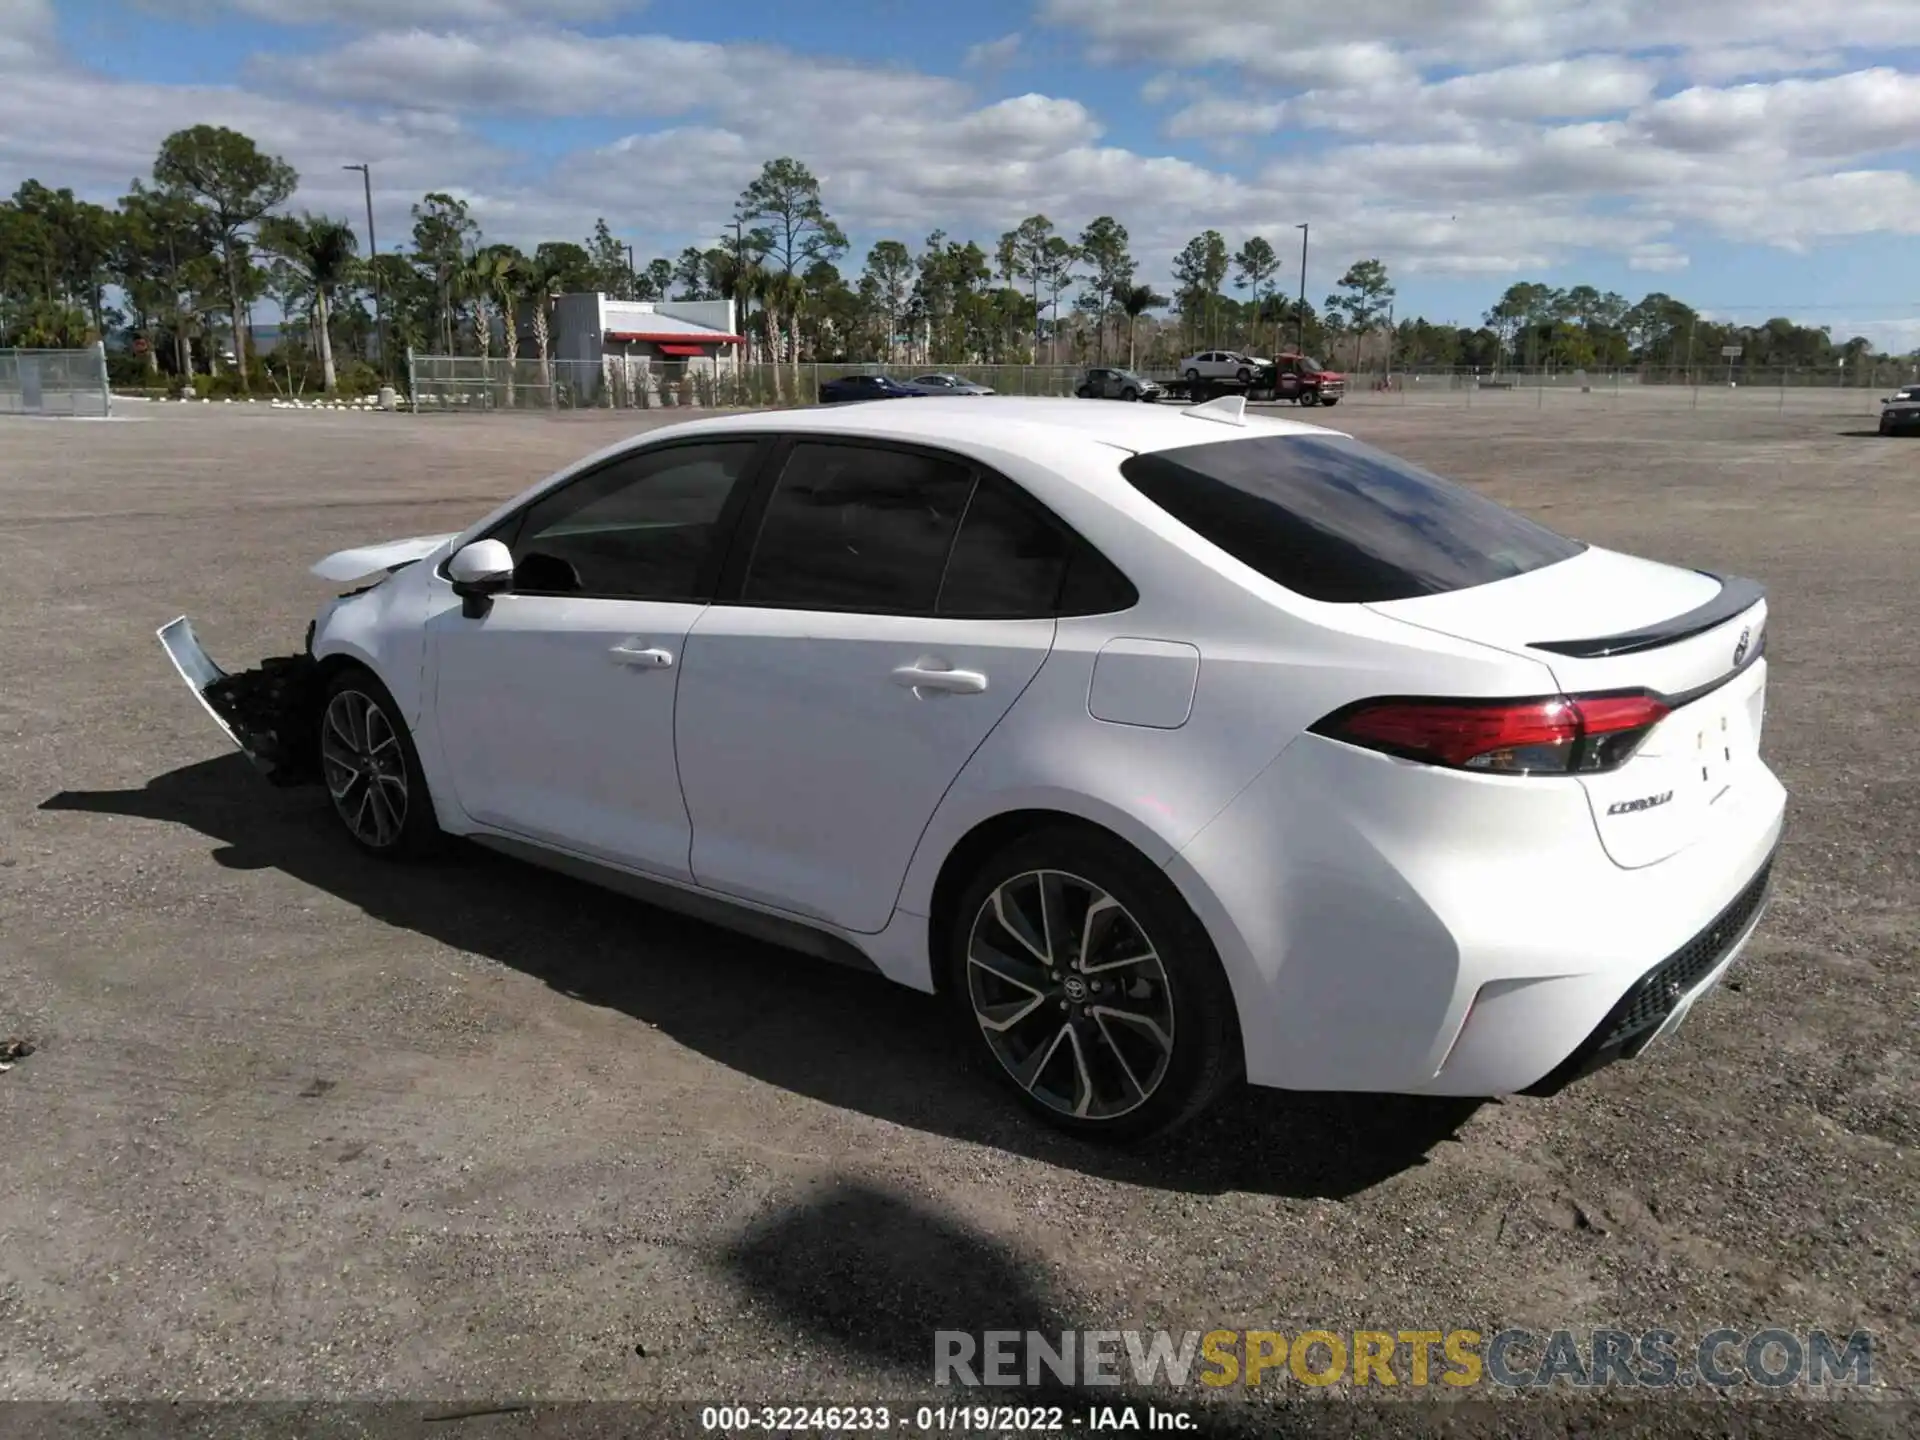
x=1740 y=648
x=1629 y=807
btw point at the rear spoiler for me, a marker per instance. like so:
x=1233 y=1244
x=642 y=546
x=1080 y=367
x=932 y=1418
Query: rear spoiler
x=1736 y=595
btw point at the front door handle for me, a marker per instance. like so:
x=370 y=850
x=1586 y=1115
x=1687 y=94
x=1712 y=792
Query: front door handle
x=957 y=682
x=650 y=658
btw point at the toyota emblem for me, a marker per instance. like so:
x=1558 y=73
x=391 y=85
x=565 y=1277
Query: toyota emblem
x=1740 y=649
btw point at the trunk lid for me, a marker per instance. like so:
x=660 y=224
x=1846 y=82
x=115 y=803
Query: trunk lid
x=1605 y=621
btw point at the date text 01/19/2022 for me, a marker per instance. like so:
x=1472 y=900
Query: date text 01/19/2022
x=938 y=1419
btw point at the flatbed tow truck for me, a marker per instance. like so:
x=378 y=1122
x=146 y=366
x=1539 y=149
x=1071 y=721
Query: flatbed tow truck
x=1299 y=378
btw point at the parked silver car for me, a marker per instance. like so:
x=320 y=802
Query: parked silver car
x=943 y=384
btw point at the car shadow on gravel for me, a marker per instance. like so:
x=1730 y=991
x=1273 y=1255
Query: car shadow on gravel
x=838 y=1035
x=879 y=1274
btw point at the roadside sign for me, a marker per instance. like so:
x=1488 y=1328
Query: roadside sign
x=1730 y=352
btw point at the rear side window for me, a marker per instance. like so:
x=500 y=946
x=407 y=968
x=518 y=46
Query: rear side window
x=1008 y=559
x=854 y=527
x=1332 y=519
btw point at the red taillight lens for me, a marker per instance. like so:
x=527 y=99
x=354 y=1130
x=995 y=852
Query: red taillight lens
x=1554 y=735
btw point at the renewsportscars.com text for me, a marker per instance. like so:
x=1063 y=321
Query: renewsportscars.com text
x=1455 y=1359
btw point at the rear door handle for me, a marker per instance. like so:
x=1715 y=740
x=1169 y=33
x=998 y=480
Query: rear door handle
x=650 y=658
x=957 y=682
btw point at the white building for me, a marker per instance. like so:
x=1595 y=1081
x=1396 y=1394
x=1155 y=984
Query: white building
x=675 y=335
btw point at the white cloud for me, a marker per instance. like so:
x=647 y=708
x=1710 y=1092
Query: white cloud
x=1470 y=32
x=1718 y=65
x=1560 y=89
x=1549 y=148
x=1861 y=113
x=26 y=34
x=993 y=54
x=385 y=14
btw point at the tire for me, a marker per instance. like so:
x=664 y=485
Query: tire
x=1329 y=400
x=1309 y=397
x=1193 y=374
x=1129 y=394
x=1245 y=377
x=361 y=726
x=1093 y=1074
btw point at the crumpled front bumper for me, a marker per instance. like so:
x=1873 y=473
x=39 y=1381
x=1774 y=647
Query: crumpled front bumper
x=272 y=712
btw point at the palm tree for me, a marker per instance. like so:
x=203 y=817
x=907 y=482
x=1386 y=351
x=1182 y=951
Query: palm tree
x=537 y=281
x=784 y=295
x=322 y=250
x=479 y=282
x=505 y=283
x=1135 y=301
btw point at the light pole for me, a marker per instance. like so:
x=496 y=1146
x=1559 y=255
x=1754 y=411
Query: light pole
x=373 y=263
x=1300 y=315
x=633 y=276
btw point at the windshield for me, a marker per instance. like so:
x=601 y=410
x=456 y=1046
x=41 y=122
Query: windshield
x=1307 y=362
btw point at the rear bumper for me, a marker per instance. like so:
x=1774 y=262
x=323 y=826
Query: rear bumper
x=1398 y=928
x=1659 y=1001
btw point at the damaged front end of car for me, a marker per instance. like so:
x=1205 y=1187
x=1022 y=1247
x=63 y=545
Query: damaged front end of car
x=272 y=711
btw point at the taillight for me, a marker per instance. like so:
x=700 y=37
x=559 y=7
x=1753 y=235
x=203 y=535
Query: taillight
x=1554 y=735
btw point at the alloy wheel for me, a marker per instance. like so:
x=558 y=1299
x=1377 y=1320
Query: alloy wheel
x=1070 y=995
x=366 y=768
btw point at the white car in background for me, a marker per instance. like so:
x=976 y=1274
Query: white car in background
x=1221 y=365
x=1167 y=746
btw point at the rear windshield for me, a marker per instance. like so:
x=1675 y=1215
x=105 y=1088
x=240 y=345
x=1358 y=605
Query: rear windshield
x=1335 y=520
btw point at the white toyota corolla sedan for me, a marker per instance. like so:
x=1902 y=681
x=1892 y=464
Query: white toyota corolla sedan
x=1170 y=746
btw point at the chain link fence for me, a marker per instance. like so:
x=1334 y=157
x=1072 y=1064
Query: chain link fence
x=471 y=384
x=55 y=382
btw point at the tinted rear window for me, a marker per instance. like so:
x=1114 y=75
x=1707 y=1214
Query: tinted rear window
x=1335 y=520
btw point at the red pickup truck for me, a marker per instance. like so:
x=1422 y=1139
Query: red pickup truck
x=1304 y=380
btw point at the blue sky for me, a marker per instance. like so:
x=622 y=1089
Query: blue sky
x=1750 y=156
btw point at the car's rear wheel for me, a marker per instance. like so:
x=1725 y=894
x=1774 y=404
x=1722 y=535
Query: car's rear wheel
x=372 y=770
x=1089 y=988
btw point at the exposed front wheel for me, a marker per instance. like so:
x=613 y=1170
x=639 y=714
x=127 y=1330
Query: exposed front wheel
x=1129 y=394
x=1090 y=989
x=1244 y=377
x=1309 y=397
x=372 y=770
x=1193 y=374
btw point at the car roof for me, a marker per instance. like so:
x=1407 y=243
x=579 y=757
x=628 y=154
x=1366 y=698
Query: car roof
x=999 y=419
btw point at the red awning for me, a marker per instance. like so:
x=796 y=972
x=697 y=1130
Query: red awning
x=676 y=337
x=683 y=349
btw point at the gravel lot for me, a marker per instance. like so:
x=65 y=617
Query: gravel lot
x=301 y=1125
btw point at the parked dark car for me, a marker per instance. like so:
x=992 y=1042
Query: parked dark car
x=1900 y=411
x=865 y=387
x=1106 y=384
x=944 y=384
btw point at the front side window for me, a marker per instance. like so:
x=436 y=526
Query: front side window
x=644 y=527
x=1332 y=519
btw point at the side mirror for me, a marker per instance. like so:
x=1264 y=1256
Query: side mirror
x=479 y=572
